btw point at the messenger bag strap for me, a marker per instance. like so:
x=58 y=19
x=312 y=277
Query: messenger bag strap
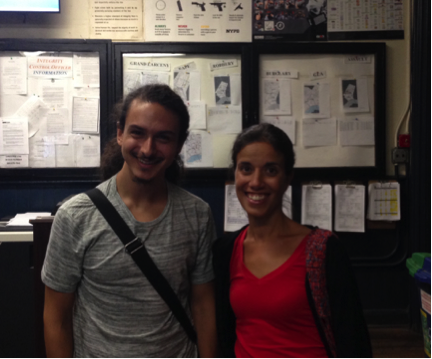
x=139 y=254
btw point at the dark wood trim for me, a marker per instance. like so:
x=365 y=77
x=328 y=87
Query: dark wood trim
x=41 y=233
x=420 y=171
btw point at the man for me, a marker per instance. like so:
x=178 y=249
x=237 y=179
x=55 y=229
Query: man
x=97 y=301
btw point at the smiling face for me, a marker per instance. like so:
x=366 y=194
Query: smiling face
x=260 y=180
x=149 y=141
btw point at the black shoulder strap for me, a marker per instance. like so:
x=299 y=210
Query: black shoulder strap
x=139 y=254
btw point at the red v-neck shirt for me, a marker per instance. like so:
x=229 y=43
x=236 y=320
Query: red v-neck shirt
x=273 y=317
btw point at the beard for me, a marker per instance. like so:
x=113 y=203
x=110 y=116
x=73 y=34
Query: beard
x=142 y=180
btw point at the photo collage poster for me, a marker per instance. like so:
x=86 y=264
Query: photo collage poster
x=301 y=20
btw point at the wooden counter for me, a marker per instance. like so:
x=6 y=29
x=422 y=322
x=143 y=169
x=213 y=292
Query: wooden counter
x=41 y=233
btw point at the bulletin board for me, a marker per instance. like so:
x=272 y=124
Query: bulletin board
x=211 y=79
x=330 y=100
x=54 y=98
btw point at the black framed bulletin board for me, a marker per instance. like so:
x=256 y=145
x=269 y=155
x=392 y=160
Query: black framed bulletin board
x=330 y=99
x=214 y=82
x=54 y=103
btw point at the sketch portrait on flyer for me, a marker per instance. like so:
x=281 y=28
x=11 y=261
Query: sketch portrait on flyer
x=134 y=79
x=131 y=81
x=349 y=97
x=355 y=95
x=193 y=148
x=181 y=84
x=276 y=96
x=222 y=86
x=271 y=96
x=187 y=85
x=316 y=100
x=197 y=150
x=311 y=98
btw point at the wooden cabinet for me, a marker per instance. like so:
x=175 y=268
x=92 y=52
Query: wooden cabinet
x=16 y=298
x=41 y=233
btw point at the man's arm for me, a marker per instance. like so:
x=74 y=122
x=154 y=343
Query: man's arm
x=203 y=313
x=58 y=323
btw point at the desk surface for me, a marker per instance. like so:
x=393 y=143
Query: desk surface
x=20 y=233
x=26 y=236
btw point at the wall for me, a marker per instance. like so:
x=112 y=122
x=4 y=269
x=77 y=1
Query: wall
x=383 y=286
x=73 y=23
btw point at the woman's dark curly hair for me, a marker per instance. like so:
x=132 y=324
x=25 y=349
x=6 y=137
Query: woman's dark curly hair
x=112 y=159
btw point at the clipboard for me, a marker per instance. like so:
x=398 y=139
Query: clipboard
x=350 y=206
x=320 y=214
x=235 y=216
x=383 y=204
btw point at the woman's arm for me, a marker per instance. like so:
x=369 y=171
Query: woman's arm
x=225 y=318
x=349 y=326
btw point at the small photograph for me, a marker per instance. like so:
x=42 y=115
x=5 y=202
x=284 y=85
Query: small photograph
x=259 y=26
x=222 y=85
x=349 y=94
x=269 y=26
x=271 y=96
x=311 y=99
x=258 y=6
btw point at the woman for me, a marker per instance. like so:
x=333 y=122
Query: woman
x=283 y=289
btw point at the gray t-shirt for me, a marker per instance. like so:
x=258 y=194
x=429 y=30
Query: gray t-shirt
x=117 y=311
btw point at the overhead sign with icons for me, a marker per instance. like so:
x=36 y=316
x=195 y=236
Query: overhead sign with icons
x=188 y=20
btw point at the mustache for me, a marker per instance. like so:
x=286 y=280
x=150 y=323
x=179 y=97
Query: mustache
x=147 y=158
